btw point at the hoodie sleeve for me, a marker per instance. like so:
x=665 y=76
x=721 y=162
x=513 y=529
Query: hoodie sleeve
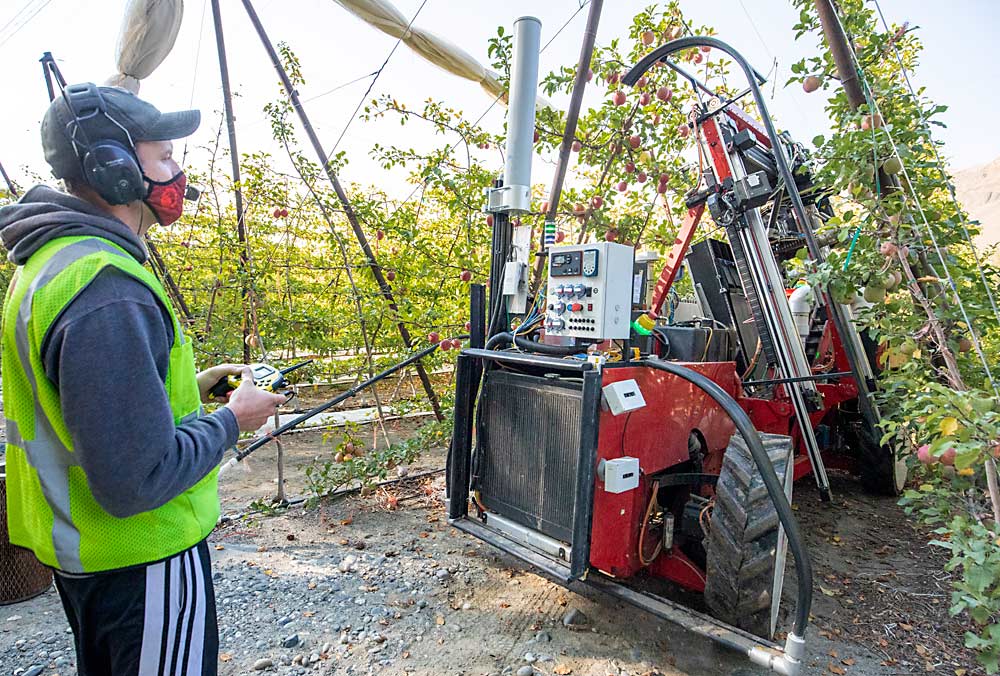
x=108 y=354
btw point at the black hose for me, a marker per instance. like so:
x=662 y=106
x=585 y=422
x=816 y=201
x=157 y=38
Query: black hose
x=526 y=344
x=803 y=566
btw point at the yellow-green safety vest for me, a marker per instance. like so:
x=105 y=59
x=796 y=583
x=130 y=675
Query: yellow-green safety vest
x=50 y=507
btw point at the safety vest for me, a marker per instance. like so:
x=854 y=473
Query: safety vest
x=50 y=507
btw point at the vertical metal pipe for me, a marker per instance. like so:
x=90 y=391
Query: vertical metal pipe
x=521 y=105
x=241 y=232
x=349 y=212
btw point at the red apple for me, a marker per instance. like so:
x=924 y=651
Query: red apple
x=948 y=457
x=468 y=326
x=466 y=276
x=964 y=344
x=433 y=338
x=188 y=268
x=456 y=343
x=445 y=345
x=705 y=48
x=664 y=178
x=619 y=98
x=284 y=213
x=648 y=37
x=924 y=455
x=590 y=74
x=380 y=235
x=630 y=167
x=597 y=201
x=536 y=137
x=579 y=209
x=489 y=220
x=613 y=77
x=869 y=121
x=664 y=93
x=811 y=83
x=576 y=147
x=661 y=188
x=642 y=82
x=683 y=130
x=888 y=249
x=277 y=213
x=390 y=275
x=611 y=234
x=560 y=236
x=656 y=119
x=698 y=58
x=622 y=186
x=645 y=99
x=641 y=177
x=634 y=141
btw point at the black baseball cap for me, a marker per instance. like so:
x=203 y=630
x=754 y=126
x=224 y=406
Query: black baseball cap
x=126 y=119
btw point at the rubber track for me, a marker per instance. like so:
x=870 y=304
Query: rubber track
x=743 y=537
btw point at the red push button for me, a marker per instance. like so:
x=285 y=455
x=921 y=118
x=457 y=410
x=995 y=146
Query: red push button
x=576 y=307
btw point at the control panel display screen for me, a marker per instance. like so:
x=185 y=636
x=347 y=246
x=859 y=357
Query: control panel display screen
x=565 y=264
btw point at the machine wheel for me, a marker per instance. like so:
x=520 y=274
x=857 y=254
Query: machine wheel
x=742 y=541
x=882 y=473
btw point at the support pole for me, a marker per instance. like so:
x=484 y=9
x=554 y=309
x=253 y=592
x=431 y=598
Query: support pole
x=352 y=217
x=10 y=184
x=572 y=117
x=241 y=232
x=160 y=265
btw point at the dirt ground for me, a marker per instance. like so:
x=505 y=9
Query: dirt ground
x=382 y=584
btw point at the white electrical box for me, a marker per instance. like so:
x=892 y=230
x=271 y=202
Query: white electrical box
x=621 y=474
x=623 y=396
x=590 y=291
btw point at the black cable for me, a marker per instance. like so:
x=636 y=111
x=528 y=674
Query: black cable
x=531 y=346
x=803 y=566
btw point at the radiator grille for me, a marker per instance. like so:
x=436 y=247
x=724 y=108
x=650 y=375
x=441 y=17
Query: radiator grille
x=528 y=446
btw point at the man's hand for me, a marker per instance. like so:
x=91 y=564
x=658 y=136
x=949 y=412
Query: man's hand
x=251 y=405
x=209 y=377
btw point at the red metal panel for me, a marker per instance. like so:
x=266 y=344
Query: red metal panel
x=678 y=568
x=676 y=257
x=744 y=121
x=657 y=435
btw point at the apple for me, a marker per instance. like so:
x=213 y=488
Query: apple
x=964 y=344
x=348 y=448
x=466 y=275
x=948 y=457
x=697 y=58
x=648 y=37
x=390 y=275
x=560 y=236
x=590 y=74
x=634 y=141
x=870 y=121
x=683 y=130
x=656 y=119
x=811 y=83
x=489 y=220
x=892 y=166
x=456 y=343
x=380 y=235
x=925 y=456
x=277 y=213
x=642 y=82
x=284 y=213
x=338 y=457
x=664 y=93
x=645 y=157
x=641 y=177
x=705 y=48
x=186 y=245
x=888 y=249
x=611 y=234
x=597 y=201
x=536 y=137
x=347 y=457
x=433 y=337
x=619 y=98
x=874 y=294
x=445 y=345
x=613 y=77
x=579 y=209
x=661 y=188
x=664 y=177
x=545 y=207
x=645 y=99
x=622 y=186
x=188 y=268
x=630 y=167
x=468 y=326
x=576 y=147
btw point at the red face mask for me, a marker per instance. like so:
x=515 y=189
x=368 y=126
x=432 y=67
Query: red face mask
x=166 y=198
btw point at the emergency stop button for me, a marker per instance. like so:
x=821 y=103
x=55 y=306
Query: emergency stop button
x=576 y=307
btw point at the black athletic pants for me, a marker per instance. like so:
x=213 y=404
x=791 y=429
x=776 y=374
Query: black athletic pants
x=151 y=620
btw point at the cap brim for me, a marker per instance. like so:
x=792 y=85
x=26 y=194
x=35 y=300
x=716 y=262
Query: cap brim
x=171 y=126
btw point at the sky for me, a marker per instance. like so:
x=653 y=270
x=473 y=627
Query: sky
x=335 y=48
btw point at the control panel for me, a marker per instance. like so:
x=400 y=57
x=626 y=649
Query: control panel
x=590 y=291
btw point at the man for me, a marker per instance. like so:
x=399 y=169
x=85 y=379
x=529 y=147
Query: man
x=111 y=462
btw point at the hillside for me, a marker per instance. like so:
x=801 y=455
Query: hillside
x=978 y=190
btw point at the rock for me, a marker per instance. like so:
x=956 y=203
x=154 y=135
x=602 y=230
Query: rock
x=530 y=658
x=543 y=637
x=635 y=654
x=263 y=663
x=344 y=638
x=526 y=670
x=466 y=606
x=314 y=658
x=443 y=574
x=290 y=641
x=34 y=671
x=574 y=617
x=348 y=563
x=327 y=647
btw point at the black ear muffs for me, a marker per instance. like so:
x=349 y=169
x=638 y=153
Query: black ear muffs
x=110 y=169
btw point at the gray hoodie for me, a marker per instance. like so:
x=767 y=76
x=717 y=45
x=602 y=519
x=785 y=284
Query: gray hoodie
x=108 y=354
